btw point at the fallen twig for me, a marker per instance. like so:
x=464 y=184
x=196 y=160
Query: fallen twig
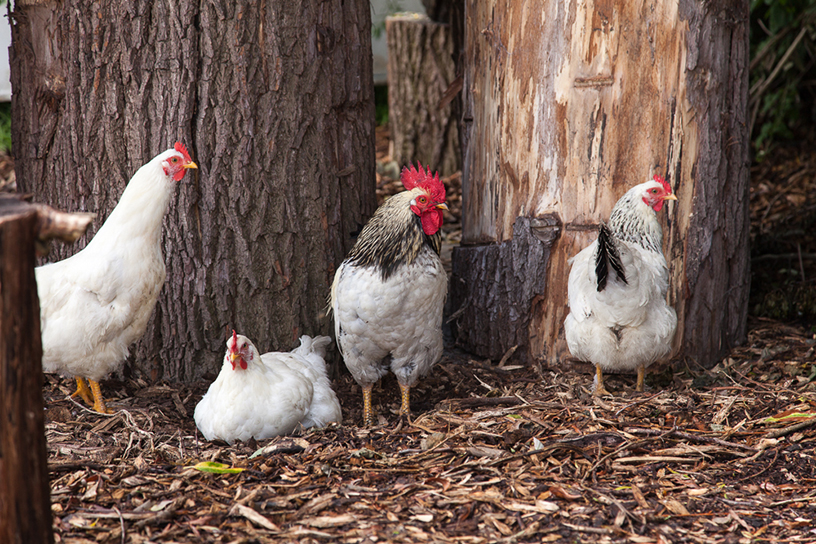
x=790 y=429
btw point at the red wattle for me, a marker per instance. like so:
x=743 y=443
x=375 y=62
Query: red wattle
x=431 y=221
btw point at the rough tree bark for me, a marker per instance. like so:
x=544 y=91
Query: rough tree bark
x=275 y=102
x=25 y=504
x=420 y=69
x=567 y=106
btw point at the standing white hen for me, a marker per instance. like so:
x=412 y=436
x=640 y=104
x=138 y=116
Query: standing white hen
x=268 y=395
x=619 y=318
x=95 y=304
x=388 y=294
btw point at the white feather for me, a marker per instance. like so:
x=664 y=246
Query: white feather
x=400 y=316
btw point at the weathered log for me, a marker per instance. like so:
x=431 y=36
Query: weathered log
x=25 y=505
x=567 y=106
x=420 y=70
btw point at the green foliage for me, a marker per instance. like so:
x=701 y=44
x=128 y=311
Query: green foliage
x=783 y=64
x=5 y=127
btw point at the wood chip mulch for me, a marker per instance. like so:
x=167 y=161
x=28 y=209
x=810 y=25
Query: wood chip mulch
x=492 y=454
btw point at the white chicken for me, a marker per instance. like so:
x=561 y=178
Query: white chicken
x=619 y=318
x=389 y=292
x=95 y=304
x=262 y=396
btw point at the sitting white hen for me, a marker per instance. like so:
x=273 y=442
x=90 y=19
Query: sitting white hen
x=268 y=395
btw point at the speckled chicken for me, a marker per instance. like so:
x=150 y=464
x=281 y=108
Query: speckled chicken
x=389 y=292
x=262 y=396
x=619 y=318
x=96 y=303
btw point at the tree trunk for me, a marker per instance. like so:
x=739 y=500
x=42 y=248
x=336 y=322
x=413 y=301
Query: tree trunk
x=275 y=103
x=25 y=504
x=420 y=70
x=566 y=107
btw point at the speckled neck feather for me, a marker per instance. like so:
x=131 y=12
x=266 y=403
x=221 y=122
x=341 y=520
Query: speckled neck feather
x=392 y=237
x=633 y=221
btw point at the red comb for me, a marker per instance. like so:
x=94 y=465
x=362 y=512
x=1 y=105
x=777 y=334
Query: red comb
x=662 y=181
x=183 y=150
x=413 y=177
x=234 y=340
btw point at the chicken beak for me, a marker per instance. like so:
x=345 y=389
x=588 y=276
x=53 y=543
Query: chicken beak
x=234 y=357
x=670 y=197
x=191 y=164
x=442 y=206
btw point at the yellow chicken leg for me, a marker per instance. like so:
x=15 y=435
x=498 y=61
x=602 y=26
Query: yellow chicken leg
x=641 y=376
x=83 y=391
x=98 y=401
x=405 y=405
x=599 y=389
x=368 y=417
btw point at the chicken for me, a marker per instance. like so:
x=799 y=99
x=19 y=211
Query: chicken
x=619 y=318
x=95 y=304
x=262 y=396
x=388 y=294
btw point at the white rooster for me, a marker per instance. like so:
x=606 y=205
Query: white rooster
x=95 y=304
x=389 y=292
x=619 y=318
x=262 y=396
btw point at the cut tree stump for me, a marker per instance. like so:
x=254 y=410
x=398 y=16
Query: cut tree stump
x=25 y=504
x=421 y=71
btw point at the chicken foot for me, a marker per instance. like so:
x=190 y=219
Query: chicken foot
x=641 y=376
x=92 y=396
x=99 y=402
x=599 y=390
x=83 y=391
x=368 y=416
x=405 y=403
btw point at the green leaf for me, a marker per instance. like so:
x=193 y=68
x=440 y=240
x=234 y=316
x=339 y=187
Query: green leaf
x=793 y=415
x=216 y=468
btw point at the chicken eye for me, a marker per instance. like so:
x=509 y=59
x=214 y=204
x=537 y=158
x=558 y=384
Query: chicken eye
x=422 y=200
x=654 y=191
x=174 y=159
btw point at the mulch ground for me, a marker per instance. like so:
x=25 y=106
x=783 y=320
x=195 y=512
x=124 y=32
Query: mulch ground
x=495 y=451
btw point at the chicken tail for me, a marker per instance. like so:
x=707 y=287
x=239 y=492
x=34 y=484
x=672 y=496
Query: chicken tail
x=607 y=257
x=313 y=350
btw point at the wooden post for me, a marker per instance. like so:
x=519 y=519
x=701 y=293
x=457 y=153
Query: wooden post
x=566 y=107
x=420 y=115
x=25 y=505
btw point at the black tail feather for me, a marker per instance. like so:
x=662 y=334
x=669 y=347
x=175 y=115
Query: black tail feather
x=607 y=256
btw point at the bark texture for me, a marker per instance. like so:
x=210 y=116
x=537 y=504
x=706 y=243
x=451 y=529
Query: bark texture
x=25 y=503
x=420 y=71
x=274 y=101
x=566 y=107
